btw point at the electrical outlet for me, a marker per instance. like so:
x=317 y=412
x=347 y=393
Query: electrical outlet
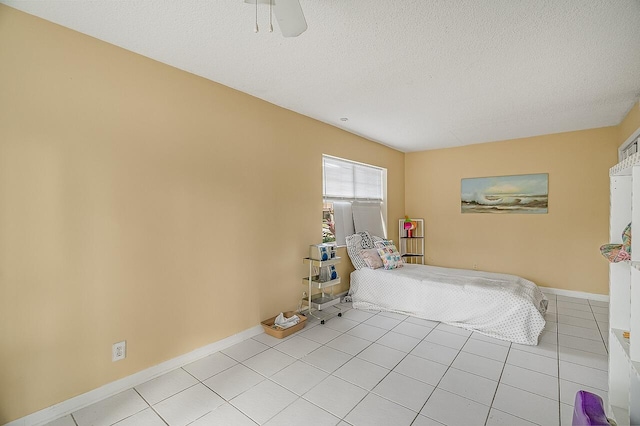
x=119 y=351
x=475 y=266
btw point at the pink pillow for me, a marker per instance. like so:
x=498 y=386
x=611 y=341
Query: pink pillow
x=372 y=258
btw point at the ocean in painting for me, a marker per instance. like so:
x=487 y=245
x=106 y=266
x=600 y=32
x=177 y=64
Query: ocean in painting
x=506 y=194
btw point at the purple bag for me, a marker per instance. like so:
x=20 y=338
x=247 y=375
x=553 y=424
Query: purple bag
x=588 y=410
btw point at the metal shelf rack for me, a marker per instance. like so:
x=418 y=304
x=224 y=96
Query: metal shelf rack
x=324 y=299
x=411 y=244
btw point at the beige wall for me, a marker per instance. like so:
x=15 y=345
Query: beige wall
x=144 y=203
x=558 y=249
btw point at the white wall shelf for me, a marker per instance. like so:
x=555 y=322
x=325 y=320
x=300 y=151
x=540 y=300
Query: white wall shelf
x=624 y=292
x=624 y=343
x=621 y=415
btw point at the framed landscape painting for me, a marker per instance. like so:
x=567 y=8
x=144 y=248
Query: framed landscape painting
x=506 y=194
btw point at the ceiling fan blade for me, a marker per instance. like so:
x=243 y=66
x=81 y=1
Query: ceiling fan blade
x=290 y=17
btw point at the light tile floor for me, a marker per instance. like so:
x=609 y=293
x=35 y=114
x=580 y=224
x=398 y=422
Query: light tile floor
x=378 y=368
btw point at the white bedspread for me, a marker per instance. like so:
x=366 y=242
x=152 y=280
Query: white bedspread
x=503 y=306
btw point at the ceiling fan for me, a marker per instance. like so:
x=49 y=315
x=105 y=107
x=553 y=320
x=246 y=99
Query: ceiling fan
x=288 y=14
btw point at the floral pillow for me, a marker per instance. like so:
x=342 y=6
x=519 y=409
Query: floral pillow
x=391 y=258
x=626 y=239
x=615 y=253
x=372 y=258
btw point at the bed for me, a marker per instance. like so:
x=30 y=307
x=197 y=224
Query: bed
x=503 y=306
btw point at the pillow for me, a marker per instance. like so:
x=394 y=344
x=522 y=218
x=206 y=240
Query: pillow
x=372 y=258
x=355 y=244
x=626 y=239
x=614 y=253
x=389 y=254
x=381 y=242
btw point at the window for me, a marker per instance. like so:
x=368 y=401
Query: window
x=353 y=199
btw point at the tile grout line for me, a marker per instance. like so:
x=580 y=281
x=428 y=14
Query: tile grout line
x=352 y=356
x=311 y=365
x=444 y=374
x=499 y=381
x=496 y=391
x=398 y=363
x=227 y=401
x=557 y=313
x=370 y=391
x=270 y=380
x=516 y=387
x=558 y=368
x=391 y=370
x=151 y=406
x=606 y=347
x=468 y=338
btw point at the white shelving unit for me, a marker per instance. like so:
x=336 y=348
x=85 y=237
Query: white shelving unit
x=324 y=299
x=624 y=294
x=411 y=247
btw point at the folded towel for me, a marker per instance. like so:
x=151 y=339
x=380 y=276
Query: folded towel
x=282 y=322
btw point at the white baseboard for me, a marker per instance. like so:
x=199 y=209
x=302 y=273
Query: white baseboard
x=573 y=293
x=69 y=406
x=76 y=403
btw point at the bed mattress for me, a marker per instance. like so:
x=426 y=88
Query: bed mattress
x=503 y=306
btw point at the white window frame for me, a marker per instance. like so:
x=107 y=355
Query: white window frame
x=630 y=146
x=383 y=201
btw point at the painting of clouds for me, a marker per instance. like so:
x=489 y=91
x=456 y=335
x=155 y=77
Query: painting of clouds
x=506 y=194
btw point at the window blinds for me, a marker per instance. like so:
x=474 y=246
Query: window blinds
x=356 y=191
x=351 y=181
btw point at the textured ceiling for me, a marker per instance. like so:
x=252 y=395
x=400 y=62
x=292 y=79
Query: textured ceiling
x=411 y=74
